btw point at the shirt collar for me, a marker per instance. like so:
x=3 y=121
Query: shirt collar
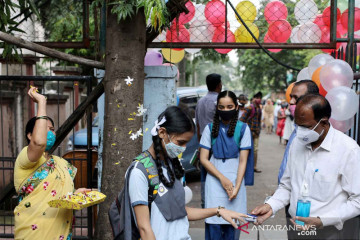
x=212 y=93
x=326 y=144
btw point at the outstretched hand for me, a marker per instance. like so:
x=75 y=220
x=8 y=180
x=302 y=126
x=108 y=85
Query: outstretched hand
x=263 y=212
x=229 y=216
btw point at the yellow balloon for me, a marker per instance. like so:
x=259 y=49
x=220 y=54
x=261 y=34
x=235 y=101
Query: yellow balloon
x=246 y=10
x=173 y=56
x=242 y=35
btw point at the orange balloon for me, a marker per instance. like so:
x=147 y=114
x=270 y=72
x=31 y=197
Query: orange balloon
x=288 y=91
x=316 y=76
x=322 y=91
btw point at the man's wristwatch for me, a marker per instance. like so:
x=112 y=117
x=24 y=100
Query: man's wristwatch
x=218 y=211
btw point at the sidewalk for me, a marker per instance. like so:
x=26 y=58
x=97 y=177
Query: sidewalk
x=270 y=156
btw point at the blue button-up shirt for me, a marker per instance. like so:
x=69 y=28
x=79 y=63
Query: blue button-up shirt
x=286 y=154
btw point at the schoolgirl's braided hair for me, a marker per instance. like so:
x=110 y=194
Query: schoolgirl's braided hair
x=216 y=121
x=177 y=122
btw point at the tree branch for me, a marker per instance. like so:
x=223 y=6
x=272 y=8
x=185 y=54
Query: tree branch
x=49 y=51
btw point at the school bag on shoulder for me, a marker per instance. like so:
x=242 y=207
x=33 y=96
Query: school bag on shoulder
x=120 y=213
x=238 y=134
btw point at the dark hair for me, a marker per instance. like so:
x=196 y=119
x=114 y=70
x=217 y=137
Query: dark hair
x=312 y=88
x=216 y=121
x=177 y=122
x=30 y=127
x=258 y=95
x=242 y=97
x=212 y=81
x=320 y=105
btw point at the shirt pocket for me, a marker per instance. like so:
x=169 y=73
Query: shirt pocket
x=323 y=186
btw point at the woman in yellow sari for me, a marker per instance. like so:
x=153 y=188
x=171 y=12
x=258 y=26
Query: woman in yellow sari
x=40 y=178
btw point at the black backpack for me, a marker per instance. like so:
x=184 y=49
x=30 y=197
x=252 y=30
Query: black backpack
x=120 y=213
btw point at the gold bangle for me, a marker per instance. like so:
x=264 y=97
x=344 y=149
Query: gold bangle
x=218 y=211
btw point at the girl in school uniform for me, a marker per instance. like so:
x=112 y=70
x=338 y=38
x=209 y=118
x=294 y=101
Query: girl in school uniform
x=167 y=217
x=229 y=142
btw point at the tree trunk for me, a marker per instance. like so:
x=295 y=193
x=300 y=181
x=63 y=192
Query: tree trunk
x=125 y=52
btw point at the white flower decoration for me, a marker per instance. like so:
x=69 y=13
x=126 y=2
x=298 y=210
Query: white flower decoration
x=141 y=110
x=129 y=81
x=134 y=136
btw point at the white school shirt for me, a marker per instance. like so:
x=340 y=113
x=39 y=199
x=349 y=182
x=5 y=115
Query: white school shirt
x=334 y=189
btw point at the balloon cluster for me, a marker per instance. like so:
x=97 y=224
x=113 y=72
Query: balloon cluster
x=334 y=78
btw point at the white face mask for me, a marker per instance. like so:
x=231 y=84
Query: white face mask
x=306 y=135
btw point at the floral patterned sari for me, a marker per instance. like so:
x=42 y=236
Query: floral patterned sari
x=34 y=218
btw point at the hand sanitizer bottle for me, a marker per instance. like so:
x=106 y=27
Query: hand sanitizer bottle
x=303 y=204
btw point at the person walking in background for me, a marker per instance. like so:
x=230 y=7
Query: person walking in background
x=204 y=114
x=276 y=110
x=252 y=116
x=281 y=116
x=242 y=103
x=230 y=142
x=268 y=116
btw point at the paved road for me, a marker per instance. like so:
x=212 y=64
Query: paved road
x=270 y=156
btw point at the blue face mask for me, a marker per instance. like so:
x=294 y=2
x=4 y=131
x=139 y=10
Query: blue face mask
x=173 y=150
x=50 y=140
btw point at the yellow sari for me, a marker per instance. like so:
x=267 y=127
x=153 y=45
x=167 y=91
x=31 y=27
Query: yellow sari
x=37 y=184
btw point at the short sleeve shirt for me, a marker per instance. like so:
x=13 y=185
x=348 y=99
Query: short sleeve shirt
x=205 y=110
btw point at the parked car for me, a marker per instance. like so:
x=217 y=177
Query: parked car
x=187 y=98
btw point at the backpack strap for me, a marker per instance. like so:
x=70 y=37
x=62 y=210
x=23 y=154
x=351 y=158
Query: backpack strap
x=238 y=133
x=147 y=165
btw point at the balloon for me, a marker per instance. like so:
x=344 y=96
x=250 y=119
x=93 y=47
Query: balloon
x=326 y=15
x=219 y=36
x=215 y=12
x=161 y=37
x=199 y=13
x=344 y=103
x=246 y=10
x=305 y=11
x=275 y=10
x=319 y=21
x=185 y=18
x=294 y=32
x=340 y=28
x=336 y=73
x=172 y=55
x=279 y=31
x=188 y=194
x=177 y=34
x=342 y=126
x=317 y=61
x=316 y=76
x=192 y=50
x=345 y=18
x=201 y=31
x=153 y=58
x=303 y=75
x=172 y=65
x=288 y=92
x=322 y=91
x=267 y=39
x=309 y=33
x=242 y=35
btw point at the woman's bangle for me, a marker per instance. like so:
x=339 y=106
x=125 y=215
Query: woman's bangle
x=42 y=117
x=218 y=211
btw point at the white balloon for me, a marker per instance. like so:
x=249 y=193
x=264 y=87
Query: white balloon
x=344 y=103
x=192 y=50
x=201 y=31
x=318 y=61
x=199 y=13
x=336 y=73
x=303 y=75
x=188 y=194
x=294 y=32
x=309 y=33
x=342 y=126
x=305 y=11
x=161 y=37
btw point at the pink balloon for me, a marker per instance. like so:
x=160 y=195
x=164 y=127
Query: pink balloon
x=326 y=15
x=275 y=10
x=267 y=39
x=345 y=18
x=153 y=58
x=341 y=29
x=342 y=126
x=219 y=36
x=173 y=35
x=185 y=18
x=319 y=21
x=325 y=38
x=215 y=12
x=171 y=65
x=279 y=31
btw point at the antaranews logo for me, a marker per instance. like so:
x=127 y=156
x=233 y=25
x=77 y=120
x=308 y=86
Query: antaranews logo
x=309 y=231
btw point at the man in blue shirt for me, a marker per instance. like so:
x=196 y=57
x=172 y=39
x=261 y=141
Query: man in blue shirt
x=300 y=89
